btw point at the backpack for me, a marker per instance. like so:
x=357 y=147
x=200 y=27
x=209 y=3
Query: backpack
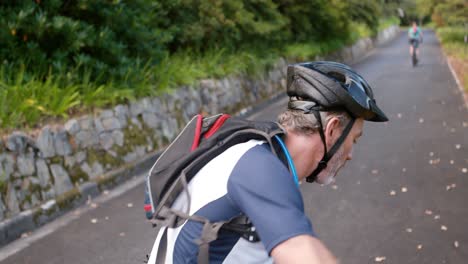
x=201 y=140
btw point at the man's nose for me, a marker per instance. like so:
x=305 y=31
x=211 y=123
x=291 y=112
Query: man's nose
x=350 y=155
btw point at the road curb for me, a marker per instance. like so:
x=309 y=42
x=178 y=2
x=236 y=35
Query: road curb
x=455 y=76
x=13 y=228
x=454 y=73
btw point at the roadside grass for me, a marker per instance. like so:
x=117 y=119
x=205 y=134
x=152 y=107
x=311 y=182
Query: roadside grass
x=452 y=39
x=387 y=22
x=26 y=102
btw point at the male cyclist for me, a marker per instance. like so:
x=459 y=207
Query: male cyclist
x=415 y=36
x=329 y=103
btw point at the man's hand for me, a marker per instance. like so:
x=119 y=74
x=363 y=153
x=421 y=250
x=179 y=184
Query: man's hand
x=302 y=249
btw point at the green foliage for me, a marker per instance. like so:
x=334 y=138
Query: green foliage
x=451 y=12
x=387 y=22
x=25 y=102
x=451 y=34
x=202 y=25
x=452 y=39
x=313 y=19
x=60 y=57
x=364 y=11
x=70 y=37
x=442 y=12
x=308 y=51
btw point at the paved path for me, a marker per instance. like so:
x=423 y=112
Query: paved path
x=419 y=154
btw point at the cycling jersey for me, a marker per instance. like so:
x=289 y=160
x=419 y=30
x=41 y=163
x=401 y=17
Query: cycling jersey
x=245 y=179
x=414 y=33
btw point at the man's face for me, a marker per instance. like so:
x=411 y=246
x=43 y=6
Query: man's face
x=343 y=154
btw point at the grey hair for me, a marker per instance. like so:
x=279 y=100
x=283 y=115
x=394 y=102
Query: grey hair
x=307 y=124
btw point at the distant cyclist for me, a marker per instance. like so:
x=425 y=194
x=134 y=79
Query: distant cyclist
x=415 y=36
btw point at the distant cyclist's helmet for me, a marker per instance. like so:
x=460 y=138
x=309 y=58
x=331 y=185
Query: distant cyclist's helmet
x=327 y=86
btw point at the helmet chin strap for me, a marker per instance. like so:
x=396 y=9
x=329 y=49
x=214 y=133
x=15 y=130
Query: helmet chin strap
x=327 y=155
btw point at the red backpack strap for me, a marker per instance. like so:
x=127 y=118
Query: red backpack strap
x=218 y=123
x=198 y=129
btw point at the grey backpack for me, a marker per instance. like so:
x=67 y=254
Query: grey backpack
x=202 y=139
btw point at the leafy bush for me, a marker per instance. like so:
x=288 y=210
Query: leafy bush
x=452 y=39
x=70 y=37
x=364 y=11
x=450 y=12
x=202 y=25
x=451 y=34
x=60 y=57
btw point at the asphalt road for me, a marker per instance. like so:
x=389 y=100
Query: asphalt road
x=402 y=199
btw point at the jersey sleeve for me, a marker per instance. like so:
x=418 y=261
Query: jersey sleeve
x=263 y=189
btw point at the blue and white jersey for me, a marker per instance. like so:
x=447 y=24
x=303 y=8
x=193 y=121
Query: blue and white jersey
x=245 y=179
x=414 y=33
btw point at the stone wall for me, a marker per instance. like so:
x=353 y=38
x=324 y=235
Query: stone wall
x=55 y=168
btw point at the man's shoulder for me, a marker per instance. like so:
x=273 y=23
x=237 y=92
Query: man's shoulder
x=260 y=160
x=260 y=169
x=253 y=153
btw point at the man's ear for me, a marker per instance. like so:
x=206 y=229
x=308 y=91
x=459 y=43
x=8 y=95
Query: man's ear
x=333 y=131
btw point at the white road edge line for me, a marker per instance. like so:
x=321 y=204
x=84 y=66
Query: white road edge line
x=455 y=76
x=22 y=243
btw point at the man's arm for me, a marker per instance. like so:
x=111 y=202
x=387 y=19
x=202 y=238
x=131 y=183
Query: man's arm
x=302 y=249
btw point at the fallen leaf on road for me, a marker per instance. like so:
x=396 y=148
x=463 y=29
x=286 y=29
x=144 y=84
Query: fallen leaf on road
x=409 y=230
x=444 y=123
x=452 y=162
x=334 y=187
x=431 y=154
x=392 y=193
x=399 y=115
x=464 y=170
x=94 y=205
x=105 y=192
x=420 y=247
x=421 y=120
x=428 y=212
x=122 y=234
x=380 y=259
x=436 y=217
x=444 y=228
x=375 y=171
x=107 y=218
x=129 y=205
x=457 y=146
x=403 y=170
x=455 y=244
x=25 y=235
x=94 y=220
x=465 y=124
x=404 y=189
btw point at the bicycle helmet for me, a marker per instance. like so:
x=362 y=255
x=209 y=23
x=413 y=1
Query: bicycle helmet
x=331 y=86
x=326 y=86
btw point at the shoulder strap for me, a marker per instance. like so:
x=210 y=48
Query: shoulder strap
x=209 y=234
